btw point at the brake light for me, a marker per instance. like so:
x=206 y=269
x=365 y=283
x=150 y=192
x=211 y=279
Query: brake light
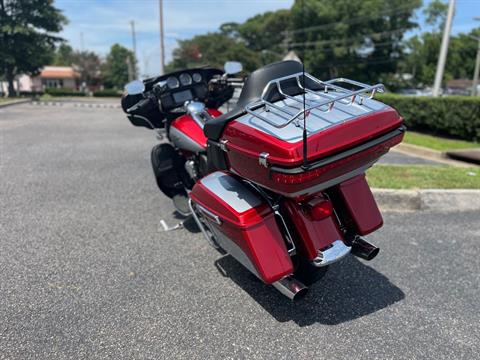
x=319 y=208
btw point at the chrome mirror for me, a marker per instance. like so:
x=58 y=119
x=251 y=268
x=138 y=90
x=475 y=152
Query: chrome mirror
x=232 y=67
x=135 y=87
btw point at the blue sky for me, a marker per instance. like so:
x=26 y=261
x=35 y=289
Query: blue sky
x=105 y=22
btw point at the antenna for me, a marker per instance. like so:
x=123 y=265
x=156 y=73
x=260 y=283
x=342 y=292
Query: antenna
x=304 y=90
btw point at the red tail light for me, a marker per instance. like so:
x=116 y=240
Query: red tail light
x=306 y=176
x=319 y=208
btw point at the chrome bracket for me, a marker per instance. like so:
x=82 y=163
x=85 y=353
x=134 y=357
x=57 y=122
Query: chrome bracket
x=263 y=159
x=334 y=253
x=223 y=145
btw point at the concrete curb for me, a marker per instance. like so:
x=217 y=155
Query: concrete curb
x=427 y=199
x=15 y=102
x=429 y=154
x=76 y=104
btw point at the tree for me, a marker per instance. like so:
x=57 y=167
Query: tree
x=361 y=39
x=212 y=49
x=26 y=43
x=436 y=14
x=115 y=70
x=64 y=55
x=265 y=31
x=423 y=52
x=267 y=34
x=88 y=64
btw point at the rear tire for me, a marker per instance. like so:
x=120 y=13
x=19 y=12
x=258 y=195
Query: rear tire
x=308 y=273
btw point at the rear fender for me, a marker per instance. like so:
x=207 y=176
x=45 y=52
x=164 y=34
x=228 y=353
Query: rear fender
x=314 y=231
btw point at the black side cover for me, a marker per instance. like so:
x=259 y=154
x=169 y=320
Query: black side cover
x=167 y=164
x=216 y=157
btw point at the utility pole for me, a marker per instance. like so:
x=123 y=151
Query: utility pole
x=134 y=49
x=162 y=44
x=442 y=59
x=131 y=75
x=477 y=67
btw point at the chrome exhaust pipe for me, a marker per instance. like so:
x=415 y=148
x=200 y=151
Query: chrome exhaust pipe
x=291 y=287
x=363 y=249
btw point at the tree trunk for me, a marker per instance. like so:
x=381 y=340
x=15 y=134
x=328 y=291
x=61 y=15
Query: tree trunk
x=10 y=79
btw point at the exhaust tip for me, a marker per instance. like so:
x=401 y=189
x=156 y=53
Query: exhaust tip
x=300 y=294
x=363 y=249
x=373 y=254
x=291 y=288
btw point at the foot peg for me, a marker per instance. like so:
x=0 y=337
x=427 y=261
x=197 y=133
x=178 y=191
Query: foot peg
x=170 y=228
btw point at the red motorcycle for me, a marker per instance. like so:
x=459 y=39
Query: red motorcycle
x=278 y=182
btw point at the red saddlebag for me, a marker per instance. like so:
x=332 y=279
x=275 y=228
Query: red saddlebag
x=243 y=224
x=360 y=207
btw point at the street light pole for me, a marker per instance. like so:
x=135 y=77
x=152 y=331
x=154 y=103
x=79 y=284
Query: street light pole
x=477 y=70
x=477 y=67
x=134 y=48
x=442 y=59
x=162 y=44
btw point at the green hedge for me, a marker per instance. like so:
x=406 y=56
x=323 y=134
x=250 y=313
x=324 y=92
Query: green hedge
x=454 y=116
x=63 y=92
x=107 y=93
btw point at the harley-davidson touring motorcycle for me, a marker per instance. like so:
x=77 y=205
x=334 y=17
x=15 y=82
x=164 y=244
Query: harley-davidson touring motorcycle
x=278 y=182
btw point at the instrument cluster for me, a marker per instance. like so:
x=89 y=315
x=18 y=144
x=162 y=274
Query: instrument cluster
x=174 y=89
x=184 y=79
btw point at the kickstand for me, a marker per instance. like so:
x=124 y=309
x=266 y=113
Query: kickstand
x=171 y=228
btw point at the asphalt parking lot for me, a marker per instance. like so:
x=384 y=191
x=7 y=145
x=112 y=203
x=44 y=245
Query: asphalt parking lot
x=85 y=271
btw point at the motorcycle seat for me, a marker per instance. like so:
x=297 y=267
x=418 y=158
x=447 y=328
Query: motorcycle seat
x=252 y=92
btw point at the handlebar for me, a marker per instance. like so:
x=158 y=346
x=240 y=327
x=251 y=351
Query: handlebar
x=143 y=104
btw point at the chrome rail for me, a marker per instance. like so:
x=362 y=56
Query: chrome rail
x=336 y=92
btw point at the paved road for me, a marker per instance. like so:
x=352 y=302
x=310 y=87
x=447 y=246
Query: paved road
x=396 y=158
x=85 y=273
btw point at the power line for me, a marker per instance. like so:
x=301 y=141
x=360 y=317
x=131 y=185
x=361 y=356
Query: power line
x=350 y=21
x=351 y=40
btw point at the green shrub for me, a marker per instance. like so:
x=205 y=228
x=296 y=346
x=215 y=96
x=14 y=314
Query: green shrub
x=107 y=93
x=63 y=92
x=451 y=116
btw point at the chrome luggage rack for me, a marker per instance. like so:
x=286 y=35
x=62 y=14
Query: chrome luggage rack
x=336 y=94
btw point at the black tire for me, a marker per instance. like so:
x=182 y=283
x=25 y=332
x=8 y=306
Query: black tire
x=308 y=273
x=166 y=164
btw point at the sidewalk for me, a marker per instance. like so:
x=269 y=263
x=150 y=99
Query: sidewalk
x=431 y=155
x=14 y=102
